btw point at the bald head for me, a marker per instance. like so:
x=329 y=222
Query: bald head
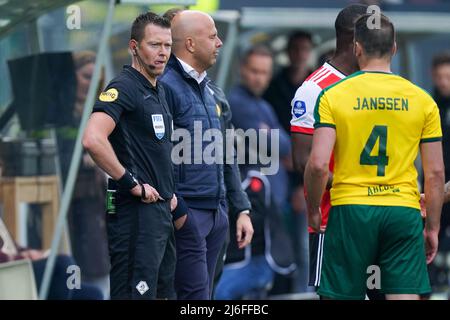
x=195 y=39
x=189 y=23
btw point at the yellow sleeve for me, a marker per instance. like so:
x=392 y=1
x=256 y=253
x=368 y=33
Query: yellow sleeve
x=323 y=116
x=432 y=128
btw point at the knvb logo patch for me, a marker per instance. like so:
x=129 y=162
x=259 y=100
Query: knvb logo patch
x=142 y=287
x=299 y=108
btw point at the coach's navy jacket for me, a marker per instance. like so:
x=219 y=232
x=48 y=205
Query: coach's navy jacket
x=237 y=199
x=200 y=185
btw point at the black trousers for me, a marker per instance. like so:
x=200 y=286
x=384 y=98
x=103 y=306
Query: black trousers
x=142 y=250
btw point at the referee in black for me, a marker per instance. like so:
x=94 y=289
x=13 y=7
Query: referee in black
x=129 y=137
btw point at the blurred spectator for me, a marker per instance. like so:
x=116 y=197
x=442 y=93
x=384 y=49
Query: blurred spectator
x=283 y=86
x=58 y=289
x=250 y=273
x=171 y=13
x=324 y=57
x=279 y=94
x=440 y=274
x=87 y=213
x=441 y=81
x=251 y=111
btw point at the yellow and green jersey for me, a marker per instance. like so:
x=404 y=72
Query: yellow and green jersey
x=380 y=119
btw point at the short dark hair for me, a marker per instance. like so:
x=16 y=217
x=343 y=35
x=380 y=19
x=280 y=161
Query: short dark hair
x=441 y=59
x=141 y=21
x=171 y=13
x=259 y=50
x=345 y=21
x=299 y=34
x=377 y=42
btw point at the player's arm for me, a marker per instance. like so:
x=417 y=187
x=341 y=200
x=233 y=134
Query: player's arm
x=302 y=122
x=301 y=148
x=433 y=166
x=447 y=192
x=316 y=172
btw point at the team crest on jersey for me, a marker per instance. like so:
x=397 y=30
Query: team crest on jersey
x=158 y=125
x=299 y=108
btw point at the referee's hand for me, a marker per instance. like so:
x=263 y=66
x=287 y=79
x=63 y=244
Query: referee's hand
x=151 y=195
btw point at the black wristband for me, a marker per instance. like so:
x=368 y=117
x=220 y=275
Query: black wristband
x=127 y=181
x=143 y=193
x=181 y=209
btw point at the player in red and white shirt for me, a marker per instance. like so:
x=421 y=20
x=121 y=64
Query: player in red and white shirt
x=303 y=114
x=302 y=124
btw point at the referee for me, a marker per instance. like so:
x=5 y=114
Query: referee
x=128 y=136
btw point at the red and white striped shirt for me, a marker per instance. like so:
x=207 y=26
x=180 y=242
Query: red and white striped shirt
x=302 y=106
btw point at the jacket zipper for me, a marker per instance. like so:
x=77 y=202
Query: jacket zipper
x=211 y=127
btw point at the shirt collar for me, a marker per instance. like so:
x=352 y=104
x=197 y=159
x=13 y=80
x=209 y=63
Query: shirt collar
x=140 y=77
x=199 y=77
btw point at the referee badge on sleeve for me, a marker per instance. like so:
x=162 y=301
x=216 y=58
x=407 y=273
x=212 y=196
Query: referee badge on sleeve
x=109 y=96
x=158 y=125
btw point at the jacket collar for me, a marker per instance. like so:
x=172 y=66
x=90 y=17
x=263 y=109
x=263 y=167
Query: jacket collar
x=199 y=77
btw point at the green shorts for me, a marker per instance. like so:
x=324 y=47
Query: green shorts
x=368 y=247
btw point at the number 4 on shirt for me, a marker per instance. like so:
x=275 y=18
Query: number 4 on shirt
x=381 y=160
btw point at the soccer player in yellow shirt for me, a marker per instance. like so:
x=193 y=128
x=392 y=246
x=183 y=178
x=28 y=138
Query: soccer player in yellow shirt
x=376 y=122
